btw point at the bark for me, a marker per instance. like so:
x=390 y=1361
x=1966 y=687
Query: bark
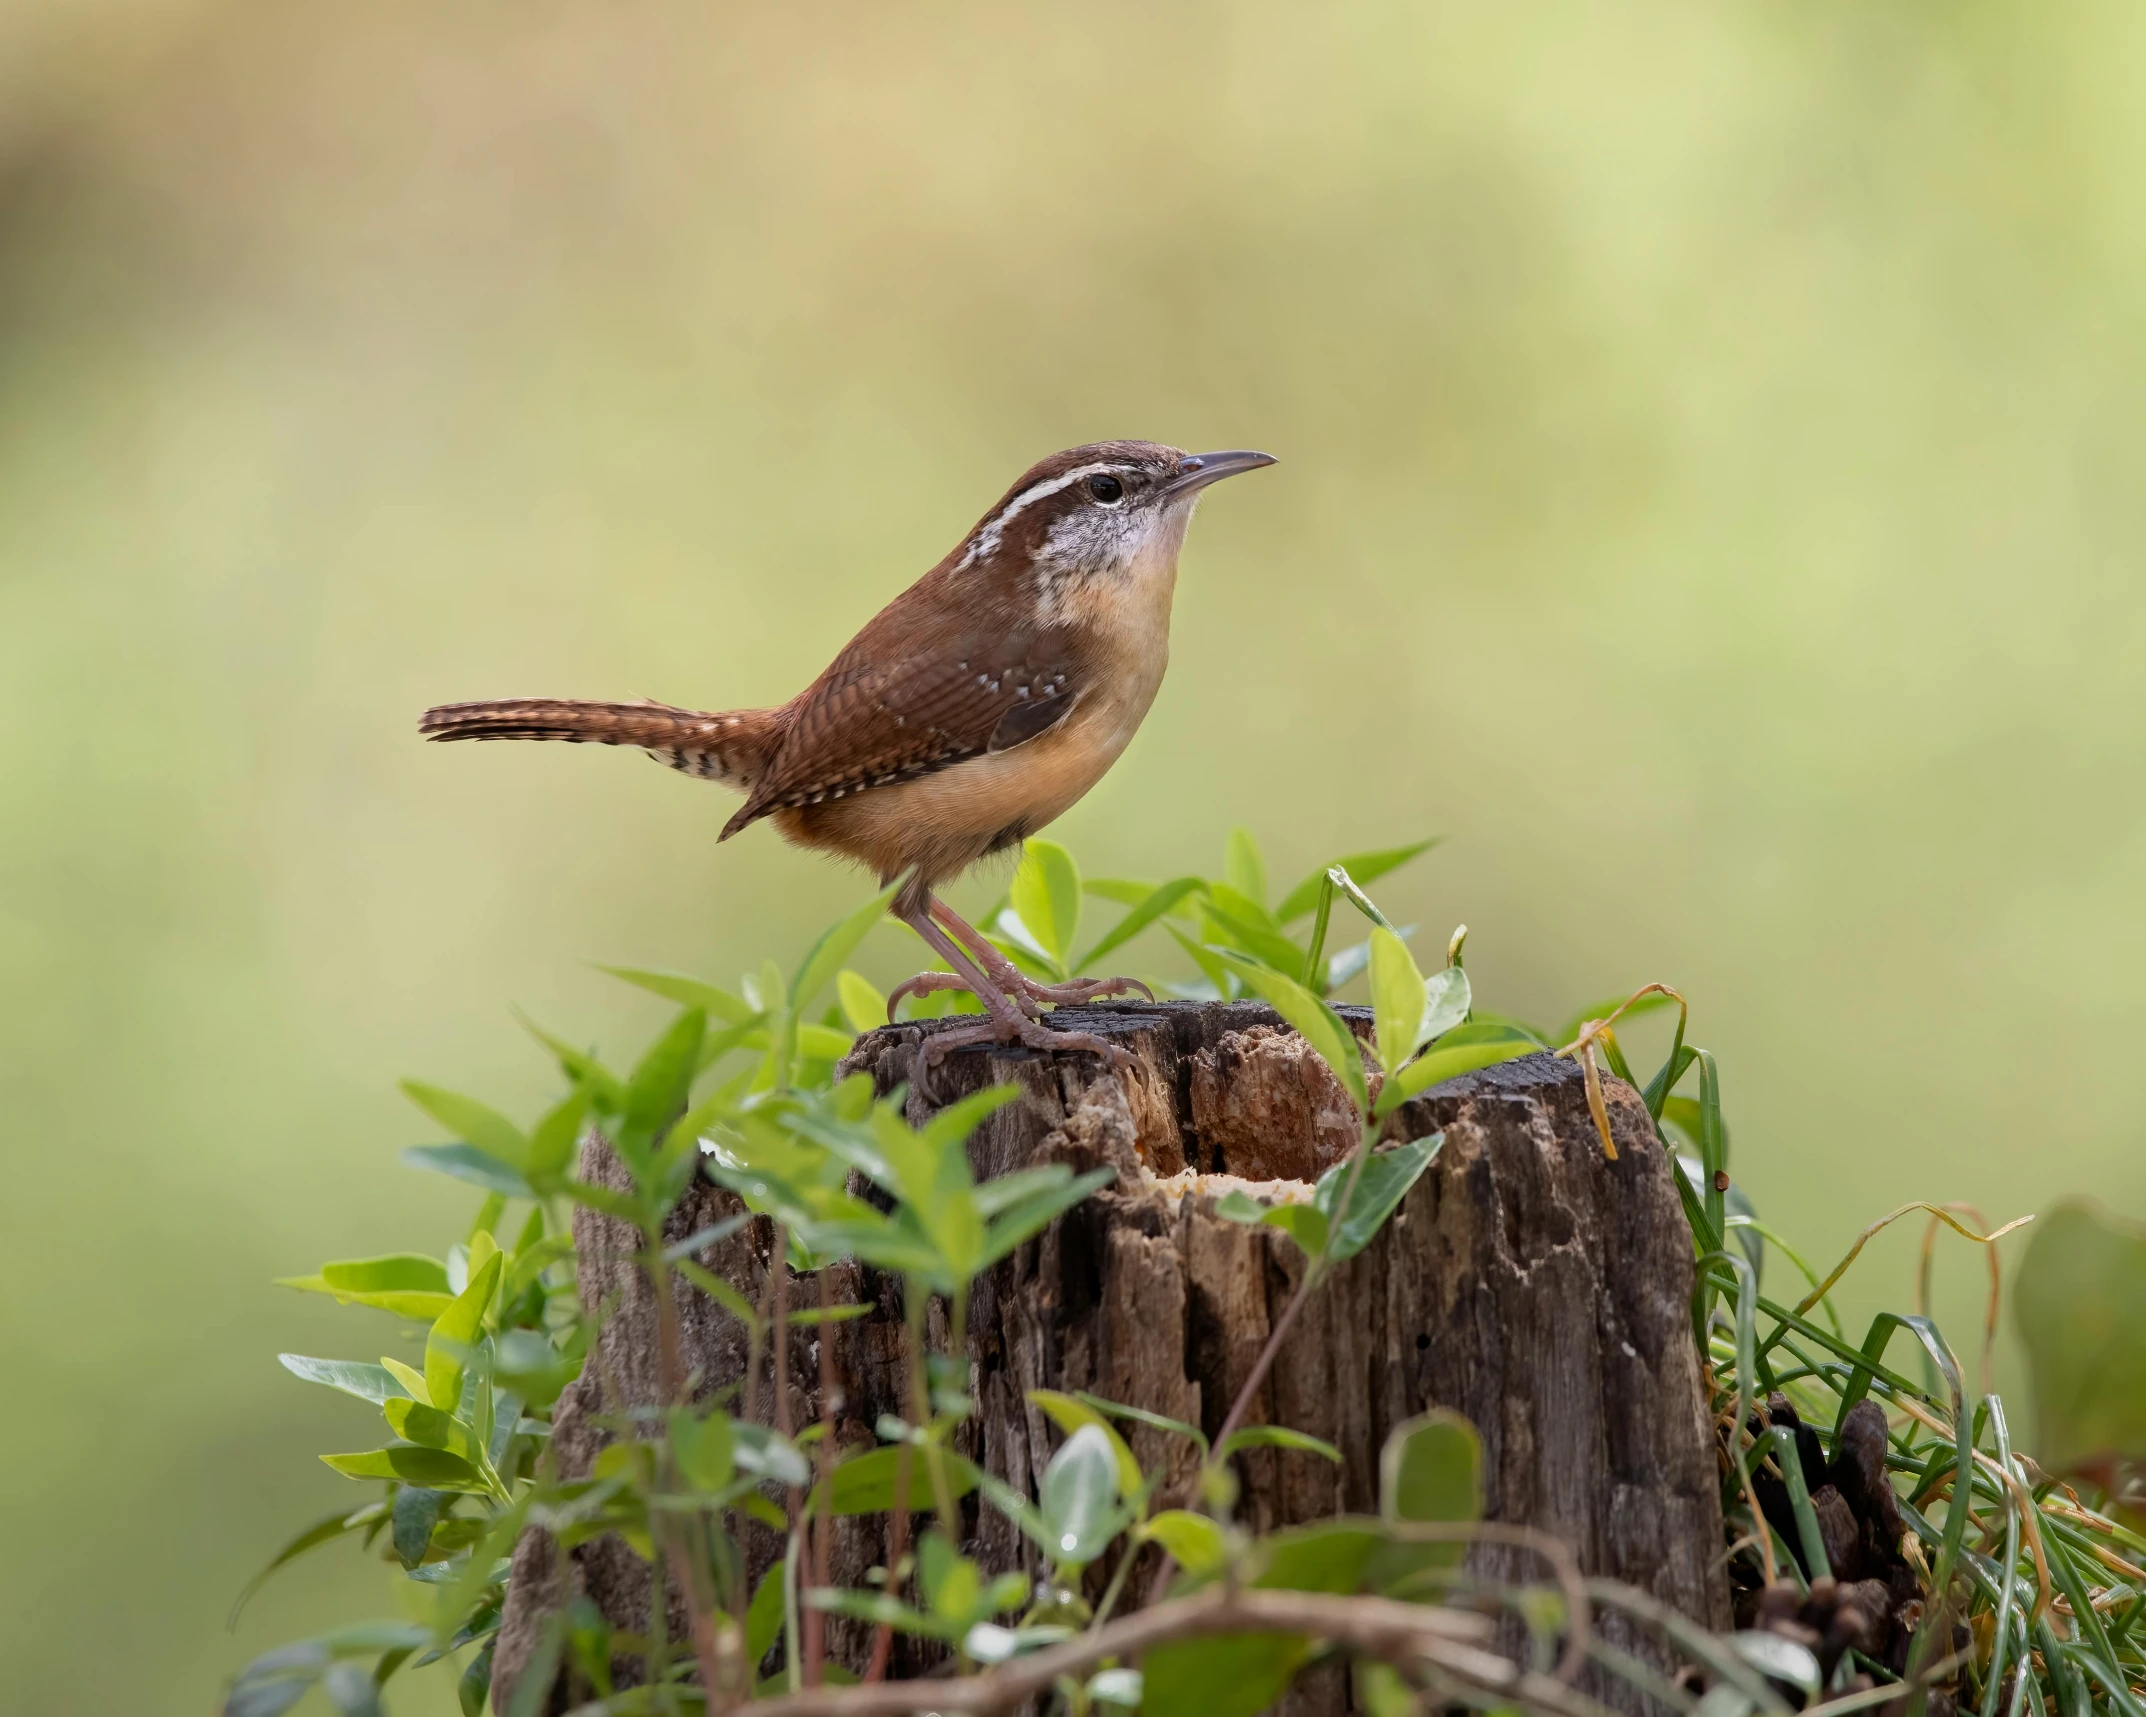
x=1527 y=1281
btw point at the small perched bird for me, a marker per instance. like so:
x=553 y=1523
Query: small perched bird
x=972 y=710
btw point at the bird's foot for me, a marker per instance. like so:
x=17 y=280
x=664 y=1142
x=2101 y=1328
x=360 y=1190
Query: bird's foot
x=1080 y=989
x=931 y=983
x=1029 y=1033
x=1023 y=991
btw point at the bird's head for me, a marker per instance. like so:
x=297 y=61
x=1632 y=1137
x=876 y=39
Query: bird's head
x=1112 y=512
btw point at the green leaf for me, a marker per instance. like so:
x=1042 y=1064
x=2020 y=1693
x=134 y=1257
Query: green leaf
x=434 y=1468
x=659 y=1087
x=413 y=1382
x=1442 y=1062
x=1079 y=1496
x=687 y=992
x=1244 y=866
x=718 y=1290
x=396 y=1272
x=1397 y=999
x=455 y=1332
x=702 y=1447
x=404 y=1283
x=321 y=1532
x=862 y=1004
x=557 y=1137
x=1779 y=1657
x=617 y=1205
x=367 y=1382
x=1309 y=1017
x=589 y=1075
x=532 y=1262
x=769 y=1454
x=1035 y=1210
x=1194 y=1540
x=1325 y=1556
x=1303 y=1223
x=1070 y=1414
x=1365 y=868
x=763 y=1619
x=1380 y=1187
x=2081 y=1310
x=1123 y=889
x=836 y=944
x=1382 y=1692
x=1276 y=1437
x=1123 y=1688
x=470 y=1121
x=1046 y=897
x=1224 y=1675
x=1446 y=1001
x=1242 y=922
x=1158 y=903
x=1209 y=963
x=467 y=1162
x=474 y=1690
x=1432 y=1469
x=816 y=1042
x=865 y=1484
x=417 y=1512
x=429 y=1427
x=952 y=1584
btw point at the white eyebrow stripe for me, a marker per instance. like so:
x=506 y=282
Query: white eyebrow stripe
x=986 y=540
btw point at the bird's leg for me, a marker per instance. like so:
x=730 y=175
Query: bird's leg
x=1019 y=983
x=1005 y=1022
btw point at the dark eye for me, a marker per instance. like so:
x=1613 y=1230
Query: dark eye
x=1106 y=488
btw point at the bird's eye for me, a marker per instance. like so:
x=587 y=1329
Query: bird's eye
x=1106 y=488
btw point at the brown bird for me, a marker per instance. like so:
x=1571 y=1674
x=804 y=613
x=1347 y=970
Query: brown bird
x=972 y=710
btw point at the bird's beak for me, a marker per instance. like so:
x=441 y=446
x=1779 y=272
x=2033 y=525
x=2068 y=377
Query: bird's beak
x=1196 y=470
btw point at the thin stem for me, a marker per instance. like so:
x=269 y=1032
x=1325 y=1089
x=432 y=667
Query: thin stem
x=923 y=1417
x=671 y=1375
x=779 y=1268
x=1314 y=1274
x=1117 y=1585
x=1315 y=952
x=898 y=1537
x=1449 y=1640
x=823 y=1525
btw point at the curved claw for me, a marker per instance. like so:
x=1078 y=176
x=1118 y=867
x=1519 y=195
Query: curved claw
x=931 y=983
x=1083 y=989
x=940 y=1044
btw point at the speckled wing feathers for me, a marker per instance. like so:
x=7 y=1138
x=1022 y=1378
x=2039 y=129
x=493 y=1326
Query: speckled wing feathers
x=871 y=720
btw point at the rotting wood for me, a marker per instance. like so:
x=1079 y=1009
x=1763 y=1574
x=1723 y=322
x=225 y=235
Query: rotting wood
x=1526 y=1281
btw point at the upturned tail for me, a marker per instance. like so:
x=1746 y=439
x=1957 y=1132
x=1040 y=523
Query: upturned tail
x=730 y=748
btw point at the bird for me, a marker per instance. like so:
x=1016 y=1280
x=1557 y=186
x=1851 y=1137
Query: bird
x=976 y=707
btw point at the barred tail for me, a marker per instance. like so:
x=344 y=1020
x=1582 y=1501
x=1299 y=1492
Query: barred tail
x=729 y=748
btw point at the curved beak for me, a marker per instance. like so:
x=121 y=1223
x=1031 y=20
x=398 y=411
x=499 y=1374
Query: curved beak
x=1196 y=470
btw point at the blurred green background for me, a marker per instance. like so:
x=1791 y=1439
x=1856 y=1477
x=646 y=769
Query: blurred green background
x=1712 y=494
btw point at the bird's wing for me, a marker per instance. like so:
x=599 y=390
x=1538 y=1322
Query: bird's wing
x=878 y=716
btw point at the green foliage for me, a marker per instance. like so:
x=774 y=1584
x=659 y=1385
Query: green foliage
x=740 y=1087
x=2081 y=1306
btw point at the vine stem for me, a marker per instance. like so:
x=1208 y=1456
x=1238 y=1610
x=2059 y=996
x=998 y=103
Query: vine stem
x=823 y=1525
x=898 y=1538
x=1452 y=1642
x=671 y=1377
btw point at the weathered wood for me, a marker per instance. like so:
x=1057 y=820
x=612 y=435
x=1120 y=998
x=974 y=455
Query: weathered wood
x=1526 y=1281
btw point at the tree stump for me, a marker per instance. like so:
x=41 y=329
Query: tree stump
x=1526 y=1281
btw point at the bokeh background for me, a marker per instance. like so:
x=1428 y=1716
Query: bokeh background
x=1712 y=495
